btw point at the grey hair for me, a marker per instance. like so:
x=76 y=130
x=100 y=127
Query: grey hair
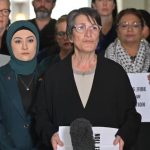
x=87 y=11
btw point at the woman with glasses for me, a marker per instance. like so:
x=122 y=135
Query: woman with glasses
x=64 y=46
x=129 y=49
x=4 y=22
x=86 y=85
x=133 y=53
x=107 y=9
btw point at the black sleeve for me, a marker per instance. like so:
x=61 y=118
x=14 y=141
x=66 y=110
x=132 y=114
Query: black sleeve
x=43 y=114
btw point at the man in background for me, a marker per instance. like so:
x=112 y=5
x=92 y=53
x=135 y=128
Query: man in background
x=44 y=22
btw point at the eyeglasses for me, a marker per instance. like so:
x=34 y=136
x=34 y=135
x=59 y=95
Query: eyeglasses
x=5 y=12
x=126 y=25
x=61 y=34
x=81 y=28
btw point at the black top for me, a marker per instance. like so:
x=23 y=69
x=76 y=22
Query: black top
x=111 y=101
x=47 y=34
x=3 y=49
x=26 y=87
x=106 y=40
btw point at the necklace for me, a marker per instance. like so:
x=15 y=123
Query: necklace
x=84 y=73
x=27 y=86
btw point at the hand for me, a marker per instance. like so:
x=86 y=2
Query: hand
x=118 y=140
x=55 y=140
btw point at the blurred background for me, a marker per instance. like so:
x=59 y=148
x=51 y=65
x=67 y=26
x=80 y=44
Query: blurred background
x=22 y=9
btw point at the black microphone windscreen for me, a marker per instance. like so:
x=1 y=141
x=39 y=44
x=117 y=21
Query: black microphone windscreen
x=82 y=135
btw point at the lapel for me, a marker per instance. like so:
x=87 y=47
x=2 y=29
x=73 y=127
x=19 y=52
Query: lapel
x=13 y=91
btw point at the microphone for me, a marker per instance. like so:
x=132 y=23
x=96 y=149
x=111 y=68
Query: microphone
x=82 y=135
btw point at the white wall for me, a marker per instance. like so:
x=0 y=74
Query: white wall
x=133 y=3
x=64 y=7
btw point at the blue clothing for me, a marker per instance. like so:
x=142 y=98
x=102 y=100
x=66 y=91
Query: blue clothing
x=15 y=124
x=16 y=121
x=105 y=40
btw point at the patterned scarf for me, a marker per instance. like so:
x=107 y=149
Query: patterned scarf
x=141 y=62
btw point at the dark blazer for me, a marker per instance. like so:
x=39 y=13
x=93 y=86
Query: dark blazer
x=14 y=123
x=111 y=102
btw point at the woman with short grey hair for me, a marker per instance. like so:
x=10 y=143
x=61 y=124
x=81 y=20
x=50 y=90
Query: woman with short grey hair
x=86 y=85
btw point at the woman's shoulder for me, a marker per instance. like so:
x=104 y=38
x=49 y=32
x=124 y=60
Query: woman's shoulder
x=60 y=67
x=5 y=71
x=146 y=44
x=111 y=47
x=110 y=65
x=5 y=68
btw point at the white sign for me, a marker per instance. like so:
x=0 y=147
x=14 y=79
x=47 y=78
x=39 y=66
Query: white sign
x=141 y=86
x=103 y=136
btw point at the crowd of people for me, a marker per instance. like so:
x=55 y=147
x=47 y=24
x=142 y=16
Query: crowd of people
x=70 y=68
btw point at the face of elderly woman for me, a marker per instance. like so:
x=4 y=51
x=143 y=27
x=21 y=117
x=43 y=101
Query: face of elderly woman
x=24 y=45
x=85 y=34
x=129 y=29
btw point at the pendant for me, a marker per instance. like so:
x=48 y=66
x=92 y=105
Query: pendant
x=27 y=89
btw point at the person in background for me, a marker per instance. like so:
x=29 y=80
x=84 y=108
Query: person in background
x=18 y=81
x=132 y=52
x=107 y=10
x=86 y=85
x=45 y=25
x=146 y=29
x=4 y=22
x=64 y=45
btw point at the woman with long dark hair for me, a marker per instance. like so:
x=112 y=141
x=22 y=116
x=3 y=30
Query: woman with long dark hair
x=107 y=9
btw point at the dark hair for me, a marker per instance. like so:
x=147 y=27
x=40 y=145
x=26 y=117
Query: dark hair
x=87 y=11
x=115 y=11
x=132 y=11
x=146 y=16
